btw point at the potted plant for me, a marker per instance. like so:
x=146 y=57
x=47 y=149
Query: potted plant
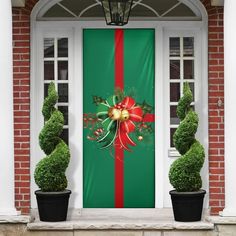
x=184 y=174
x=53 y=197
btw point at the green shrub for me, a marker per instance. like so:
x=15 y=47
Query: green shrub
x=184 y=173
x=49 y=174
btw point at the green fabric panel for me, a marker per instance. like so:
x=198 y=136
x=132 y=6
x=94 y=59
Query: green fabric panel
x=98 y=165
x=139 y=60
x=98 y=79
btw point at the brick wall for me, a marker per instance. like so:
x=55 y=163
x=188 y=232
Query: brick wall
x=21 y=77
x=216 y=112
x=21 y=57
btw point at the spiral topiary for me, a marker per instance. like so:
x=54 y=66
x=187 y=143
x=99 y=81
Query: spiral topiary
x=184 y=173
x=50 y=171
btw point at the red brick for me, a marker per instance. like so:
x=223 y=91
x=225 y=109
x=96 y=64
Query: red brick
x=21 y=171
x=25 y=177
x=21 y=184
x=216 y=210
x=216 y=190
x=214 y=203
x=24 y=190
x=25 y=203
x=217 y=196
x=217 y=171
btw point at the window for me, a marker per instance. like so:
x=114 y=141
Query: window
x=56 y=70
x=91 y=9
x=181 y=69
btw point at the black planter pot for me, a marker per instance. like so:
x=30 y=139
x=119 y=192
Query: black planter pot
x=52 y=206
x=187 y=206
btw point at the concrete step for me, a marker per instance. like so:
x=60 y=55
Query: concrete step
x=110 y=222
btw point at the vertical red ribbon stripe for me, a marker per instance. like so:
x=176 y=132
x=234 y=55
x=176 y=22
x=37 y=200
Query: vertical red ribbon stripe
x=119 y=152
x=119 y=59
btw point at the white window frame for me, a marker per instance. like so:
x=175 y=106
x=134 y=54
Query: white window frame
x=201 y=98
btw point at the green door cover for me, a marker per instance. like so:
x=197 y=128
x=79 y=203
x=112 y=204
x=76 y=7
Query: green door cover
x=99 y=69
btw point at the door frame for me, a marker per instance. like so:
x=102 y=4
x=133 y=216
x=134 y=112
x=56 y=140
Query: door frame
x=74 y=31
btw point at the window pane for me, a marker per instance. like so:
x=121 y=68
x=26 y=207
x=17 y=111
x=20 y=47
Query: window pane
x=63 y=47
x=65 y=135
x=191 y=85
x=64 y=110
x=172 y=131
x=46 y=90
x=188 y=46
x=174 y=92
x=49 y=47
x=188 y=69
x=174 y=69
x=49 y=70
x=63 y=70
x=107 y=12
x=174 y=120
x=174 y=47
x=192 y=107
x=63 y=92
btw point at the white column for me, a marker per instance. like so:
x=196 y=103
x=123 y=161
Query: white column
x=7 y=202
x=230 y=107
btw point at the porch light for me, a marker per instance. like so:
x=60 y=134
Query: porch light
x=116 y=11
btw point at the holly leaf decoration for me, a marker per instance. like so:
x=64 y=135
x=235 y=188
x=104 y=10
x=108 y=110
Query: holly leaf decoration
x=97 y=100
x=119 y=94
x=147 y=109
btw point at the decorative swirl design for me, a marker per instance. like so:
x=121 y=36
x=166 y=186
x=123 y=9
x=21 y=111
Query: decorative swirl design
x=50 y=171
x=184 y=173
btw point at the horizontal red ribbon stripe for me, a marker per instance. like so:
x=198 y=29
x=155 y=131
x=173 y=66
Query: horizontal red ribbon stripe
x=149 y=118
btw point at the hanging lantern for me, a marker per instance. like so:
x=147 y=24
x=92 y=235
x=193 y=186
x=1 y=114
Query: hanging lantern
x=117 y=11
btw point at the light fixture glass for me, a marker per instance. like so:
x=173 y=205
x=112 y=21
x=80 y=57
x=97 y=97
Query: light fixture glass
x=116 y=11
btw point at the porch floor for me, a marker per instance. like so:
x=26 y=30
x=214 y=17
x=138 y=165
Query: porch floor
x=117 y=219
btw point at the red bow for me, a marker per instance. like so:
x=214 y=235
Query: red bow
x=126 y=126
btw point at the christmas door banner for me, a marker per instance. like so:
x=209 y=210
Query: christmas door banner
x=118 y=106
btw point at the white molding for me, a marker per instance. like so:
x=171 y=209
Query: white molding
x=228 y=212
x=18 y=3
x=76 y=112
x=9 y=212
x=159 y=119
x=198 y=8
x=172 y=152
x=203 y=129
x=217 y=3
x=35 y=106
x=230 y=100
